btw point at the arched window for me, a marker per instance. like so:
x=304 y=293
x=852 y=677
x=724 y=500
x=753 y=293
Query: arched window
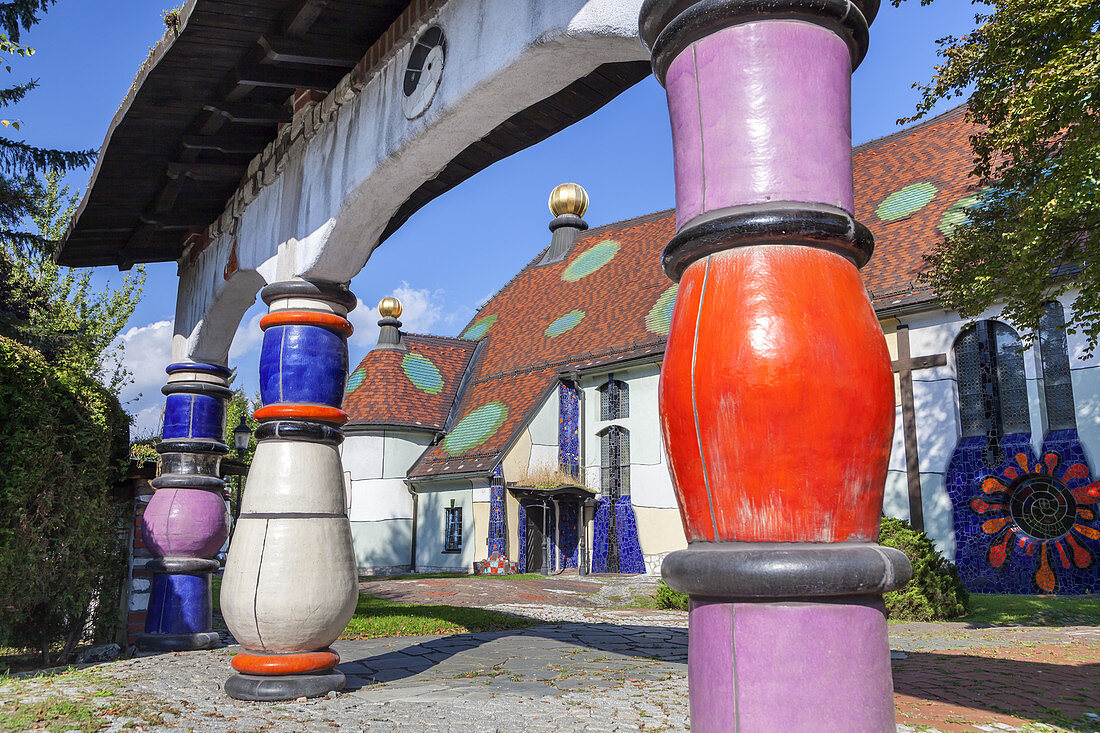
x=615 y=462
x=614 y=399
x=1057 y=384
x=992 y=385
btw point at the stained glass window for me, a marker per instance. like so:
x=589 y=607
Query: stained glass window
x=992 y=385
x=452 y=529
x=1057 y=384
x=614 y=399
x=615 y=462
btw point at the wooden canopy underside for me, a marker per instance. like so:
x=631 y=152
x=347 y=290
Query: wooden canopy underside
x=213 y=97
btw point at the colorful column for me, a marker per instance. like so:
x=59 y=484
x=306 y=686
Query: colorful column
x=186 y=522
x=777 y=401
x=291 y=582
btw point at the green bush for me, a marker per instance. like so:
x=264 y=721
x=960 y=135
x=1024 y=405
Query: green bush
x=62 y=526
x=669 y=598
x=935 y=593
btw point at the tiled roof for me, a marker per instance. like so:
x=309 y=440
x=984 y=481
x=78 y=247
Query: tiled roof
x=609 y=301
x=414 y=388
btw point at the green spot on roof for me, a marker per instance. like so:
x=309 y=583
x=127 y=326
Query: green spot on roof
x=355 y=380
x=422 y=373
x=659 y=319
x=956 y=215
x=474 y=429
x=479 y=327
x=565 y=323
x=591 y=260
x=907 y=201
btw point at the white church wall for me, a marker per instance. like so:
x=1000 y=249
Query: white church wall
x=432 y=500
x=518 y=459
x=660 y=529
x=380 y=505
x=1085 y=373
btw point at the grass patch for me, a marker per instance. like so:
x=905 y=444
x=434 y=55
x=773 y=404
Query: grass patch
x=376 y=617
x=1034 y=610
x=90 y=707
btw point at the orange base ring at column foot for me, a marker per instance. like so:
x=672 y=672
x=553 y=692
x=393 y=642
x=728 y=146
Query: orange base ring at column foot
x=304 y=663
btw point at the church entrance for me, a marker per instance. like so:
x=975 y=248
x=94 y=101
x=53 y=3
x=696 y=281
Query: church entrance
x=536 y=539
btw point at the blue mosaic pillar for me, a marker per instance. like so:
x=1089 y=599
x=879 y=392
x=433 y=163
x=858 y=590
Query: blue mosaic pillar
x=569 y=428
x=186 y=522
x=497 y=537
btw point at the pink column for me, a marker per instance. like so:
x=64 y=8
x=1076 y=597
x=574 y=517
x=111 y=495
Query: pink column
x=776 y=393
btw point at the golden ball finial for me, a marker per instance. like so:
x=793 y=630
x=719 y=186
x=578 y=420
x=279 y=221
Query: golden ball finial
x=389 y=307
x=568 y=198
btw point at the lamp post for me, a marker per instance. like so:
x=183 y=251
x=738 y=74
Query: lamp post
x=242 y=436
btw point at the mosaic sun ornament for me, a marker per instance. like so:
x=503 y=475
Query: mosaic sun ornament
x=591 y=260
x=476 y=428
x=1034 y=510
x=566 y=323
x=422 y=373
x=659 y=319
x=907 y=201
x=479 y=327
x=355 y=380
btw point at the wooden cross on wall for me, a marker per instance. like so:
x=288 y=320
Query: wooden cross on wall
x=904 y=366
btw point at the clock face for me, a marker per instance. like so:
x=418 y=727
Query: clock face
x=423 y=72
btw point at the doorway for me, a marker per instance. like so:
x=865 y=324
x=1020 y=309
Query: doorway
x=535 y=552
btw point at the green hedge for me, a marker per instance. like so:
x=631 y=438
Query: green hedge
x=63 y=441
x=935 y=593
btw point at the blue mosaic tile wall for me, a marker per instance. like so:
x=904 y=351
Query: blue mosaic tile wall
x=626 y=532
x=569 y=428
x=994 y=551
x=497 y=537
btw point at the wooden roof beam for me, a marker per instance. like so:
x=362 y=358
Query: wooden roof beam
x=296 y=51
x=250 y=114
x=227 y=144
x=301 y=15
x=275 y=77
x=206 y=171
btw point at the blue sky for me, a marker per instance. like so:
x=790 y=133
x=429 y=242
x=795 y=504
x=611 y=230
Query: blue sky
x=444 y=262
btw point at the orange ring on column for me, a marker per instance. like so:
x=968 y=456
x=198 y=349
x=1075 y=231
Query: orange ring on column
x=321 y=413
x=253 y=663
x=331 y=321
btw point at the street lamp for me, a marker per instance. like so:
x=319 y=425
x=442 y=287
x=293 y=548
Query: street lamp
x=242 y=435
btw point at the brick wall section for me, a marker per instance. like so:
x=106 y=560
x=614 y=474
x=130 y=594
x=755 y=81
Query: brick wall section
x=137 y=600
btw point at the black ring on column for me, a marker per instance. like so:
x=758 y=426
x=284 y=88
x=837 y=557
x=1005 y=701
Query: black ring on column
x=191 y=446
x=785 y=569
x=188 y=481
x=784 y=223
x=181 y=565
x=204 y=388
x=323 y=290
x=302 y=431
x=670 y=26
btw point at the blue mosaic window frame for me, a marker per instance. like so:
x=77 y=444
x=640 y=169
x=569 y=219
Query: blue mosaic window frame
x=569 y=428
x=1057 y=382
x=614 y=399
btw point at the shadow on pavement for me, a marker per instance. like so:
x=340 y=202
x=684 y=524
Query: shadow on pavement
x=657 y=643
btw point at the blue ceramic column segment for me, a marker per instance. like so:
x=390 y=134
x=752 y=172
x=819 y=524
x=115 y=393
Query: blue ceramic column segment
x=186 y=522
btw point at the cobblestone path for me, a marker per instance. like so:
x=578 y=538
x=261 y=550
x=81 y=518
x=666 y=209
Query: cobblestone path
x=578 y=673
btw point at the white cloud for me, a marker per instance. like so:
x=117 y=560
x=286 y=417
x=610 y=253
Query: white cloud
x=145 y=351
x=248 y=337
x=422 y=311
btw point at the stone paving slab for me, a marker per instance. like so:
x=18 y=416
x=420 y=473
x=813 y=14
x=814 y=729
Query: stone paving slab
x=579 y=677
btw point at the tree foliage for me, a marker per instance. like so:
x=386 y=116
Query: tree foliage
x=1033 y=67
x=54 y=309
x=61 y=551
